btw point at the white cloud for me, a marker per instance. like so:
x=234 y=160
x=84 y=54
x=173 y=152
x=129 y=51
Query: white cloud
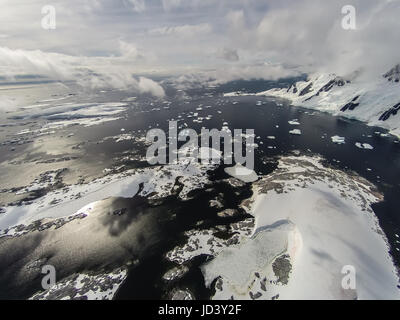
x=253 y=71
x=225 y=74
x=311 y=35
x=187 y=35
x=8 y=103
x=92 y=72
x=236 y=20
x=228 y=54
x=129 y=50
x=183 y=30
x=53 y=65
x=169 y=5
x=149 y=86
x=138 y=5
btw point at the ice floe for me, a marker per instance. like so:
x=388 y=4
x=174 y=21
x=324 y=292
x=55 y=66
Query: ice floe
x=242 y=173
x=295 y=132
x=338 y=140
x=85 y=287
x=67 y=114
x=366 y=146
x=158 y=180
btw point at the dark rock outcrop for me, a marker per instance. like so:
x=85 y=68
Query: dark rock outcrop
x=306 y=89
x=391 y=112
x=351 y=105
x=393 y=74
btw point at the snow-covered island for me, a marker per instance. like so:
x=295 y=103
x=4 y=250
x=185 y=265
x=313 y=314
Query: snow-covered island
x=375 y=102
x=310 y=222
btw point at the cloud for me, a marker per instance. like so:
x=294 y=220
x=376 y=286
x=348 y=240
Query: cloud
x=253 y=71
x=52 y=65
x=8 y=103
x=229 y=55
x=183 y=30
x=138 y=5
x=129 y=50
x=103 y=38
x=236 y=20
x=89 y=72
x=309 y=33
x=149 y=86
x=234 y=72
x=169 y=5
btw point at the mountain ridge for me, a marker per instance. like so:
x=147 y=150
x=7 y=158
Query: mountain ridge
x=375 y=102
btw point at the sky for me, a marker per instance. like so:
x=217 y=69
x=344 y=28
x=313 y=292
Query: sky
x=123 y=43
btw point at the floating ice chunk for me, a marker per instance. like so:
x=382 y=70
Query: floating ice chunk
x=237 y=94
x=252 y=145
x=383 y=135
x=175 y=273
x=181 y=295
x=242 y=173
x=271 y=137
x=364 y=146
x=230 y=94
x=295 y=132
x=209 y=154
x=338 y=140
x=102 y=286
x=294 y=122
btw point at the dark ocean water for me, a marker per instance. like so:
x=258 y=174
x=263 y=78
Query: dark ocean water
x=380 y=166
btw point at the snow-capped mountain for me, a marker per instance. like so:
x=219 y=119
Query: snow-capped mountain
x=375 y=102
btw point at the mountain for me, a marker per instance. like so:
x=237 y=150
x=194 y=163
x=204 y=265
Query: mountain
x=375 y=102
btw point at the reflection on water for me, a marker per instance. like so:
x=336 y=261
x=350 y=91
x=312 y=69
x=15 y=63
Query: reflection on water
x=122 y=230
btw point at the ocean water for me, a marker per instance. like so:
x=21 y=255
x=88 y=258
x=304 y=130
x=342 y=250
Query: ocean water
x=171 y=217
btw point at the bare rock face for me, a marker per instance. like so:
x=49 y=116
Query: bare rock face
x=175 y=273
x=354 y=103
x=390 y=112
x=228 y=213
x=282 y=267
x=180 y=294
x=393 y=74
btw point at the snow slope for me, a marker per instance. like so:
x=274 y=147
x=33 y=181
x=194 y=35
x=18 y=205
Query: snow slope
x=311 y=223
x=375 y=102
x=81 y=197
